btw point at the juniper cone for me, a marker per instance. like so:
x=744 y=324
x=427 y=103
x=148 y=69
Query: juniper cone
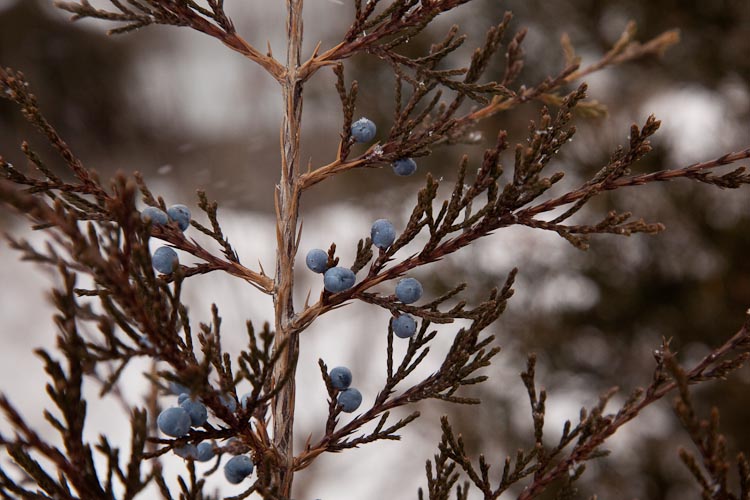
x=228 y=401
x=404 y=326
x=165 y=260
x=382 y=233
x=341 y=377
x=404 y=166
x=174 y=422
x=178 y=389
x=408 y=290
x=181 y=215
x=238 y=468
x=363 y=130
x=317 y=260
x=349 y=400
x=187 y=451
x=205 y=451
x=197 y=411
x=154 y=215
x=338 y=279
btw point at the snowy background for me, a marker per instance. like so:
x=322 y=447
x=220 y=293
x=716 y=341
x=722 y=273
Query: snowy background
x=191 y=114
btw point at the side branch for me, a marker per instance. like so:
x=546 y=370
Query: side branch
x=624 y=50
x=696 y=171
x=213 y=22
x=525 y=216
x=710 y=367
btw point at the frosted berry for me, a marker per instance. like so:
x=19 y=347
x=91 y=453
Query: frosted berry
x=181 y=215
x=238 y=468
x=408 y=290
x=205 y=451
x=174 y=422
x=338 y=279
x=363 y=130
x=404 y=166
x=349 y=400
x=341 y=377
x=165 y=260
x=186 y=451
x=317 y=260
x=197 y=411
x=155 y=215
x=404 y=326
x=182 y=397
x=382 y=233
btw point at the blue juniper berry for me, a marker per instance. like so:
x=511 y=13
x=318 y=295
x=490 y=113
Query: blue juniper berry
x=404 y=166
x=165 y=260
x=181 y=215
x=404 y=326
x=341 y=377
x=382 y=233
x=155 y=215
x=238 y=468
x=317 y=260
x=408 y=290
x=363 y=130
x=349 y=400
x=338 y=279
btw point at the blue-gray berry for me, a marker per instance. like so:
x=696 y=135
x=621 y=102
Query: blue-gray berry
x=165 y=260
x=182 y=397
x=408 y=290
x=174 y=422
x=155 y=215
x=186 y=451
x=341 y=377
x=228 y=401
x=382 y=233
x=404 y=166
x=337 y=279
x=404 y=326
x=181 y=215
x=177 y=388
x=317 y=260
x=205 y=451
x=349 y=400
x=238 y=468
x=197 y=411
x=363 y=130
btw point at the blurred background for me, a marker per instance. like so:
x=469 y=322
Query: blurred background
x=188 y=113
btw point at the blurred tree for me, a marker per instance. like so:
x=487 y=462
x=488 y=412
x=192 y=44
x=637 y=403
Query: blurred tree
x=691 y=284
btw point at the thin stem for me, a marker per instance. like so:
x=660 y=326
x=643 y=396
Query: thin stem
x=582 y=453
x=287 y=207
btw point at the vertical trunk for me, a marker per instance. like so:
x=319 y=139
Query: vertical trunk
x=287 y=206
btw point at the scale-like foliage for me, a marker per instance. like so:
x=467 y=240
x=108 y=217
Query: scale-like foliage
x=128 y=311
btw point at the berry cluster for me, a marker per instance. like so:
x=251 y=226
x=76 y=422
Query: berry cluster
x=335 y=279
x=191 y=412
x=364 y=130
x=165 y=259
x=349 y=398
x=339 y=279
x=408 y=290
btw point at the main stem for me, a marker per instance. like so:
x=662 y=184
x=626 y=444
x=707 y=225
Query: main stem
x=287 y=208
